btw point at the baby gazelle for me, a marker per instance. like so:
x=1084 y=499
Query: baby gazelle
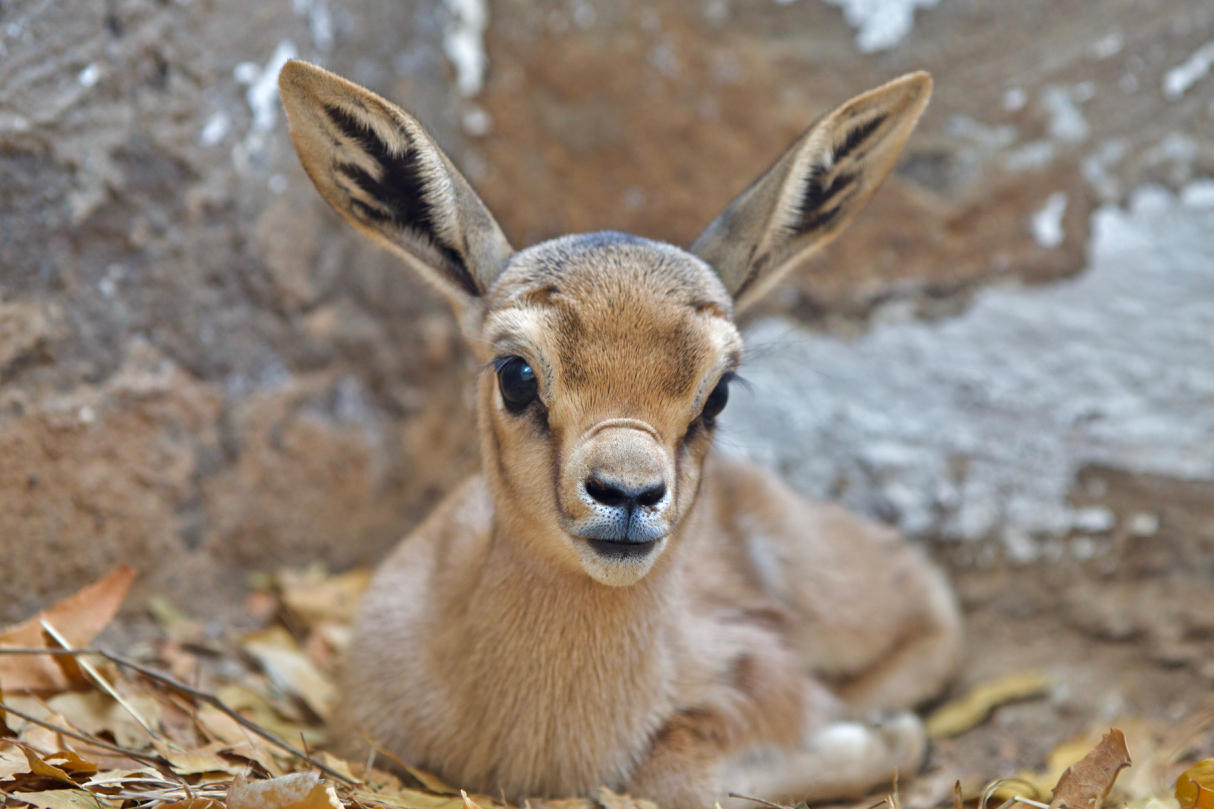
x=609 y=603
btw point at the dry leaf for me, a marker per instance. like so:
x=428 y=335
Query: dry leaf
x=406 y=798
x=1153 y=803
x=65 y=799
x=12 y=762
x=177 y=626
x=1086 y=784
x=70 y=761
x=39 y=767
x=337 y=765
x=193 y=803
x=428 y=780
x=94 y=712
x=955 y=717
x=79 y=618
x=316 y=597
x=290 y=669
x=1195 y=786
x=114 y=778
x=610 y=800
x=562 y=803
x=302 y=790
x=272 y=716
x=241 y=742
x=43 y=739
x=195 y=762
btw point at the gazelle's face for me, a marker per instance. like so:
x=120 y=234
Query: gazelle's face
x=610 y=358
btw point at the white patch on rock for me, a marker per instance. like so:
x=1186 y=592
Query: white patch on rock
x=976 y=427
x=263 y=85
x=1198 y=194
x=1066 y=120
x=215 y=129
x=246 y=72
x=1096 y=168
x=464 y=43
x=13 y=122
x=1180 y=78
x=89 y=76
x=1094 y=520
x=477 y=122
x=1035 y=156
x=1047 y=223
x=1014 y=98
x=1107 y=46
x=1143 y=524
x=879 y=24
x=320 y=22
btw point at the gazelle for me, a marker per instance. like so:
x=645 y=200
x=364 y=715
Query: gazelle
x=609 y=603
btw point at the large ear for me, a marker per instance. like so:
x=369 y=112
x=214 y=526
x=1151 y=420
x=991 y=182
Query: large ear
x=379 y=169
x=807 y=198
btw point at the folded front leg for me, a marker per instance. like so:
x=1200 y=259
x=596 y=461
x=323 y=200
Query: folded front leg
x=840 y=761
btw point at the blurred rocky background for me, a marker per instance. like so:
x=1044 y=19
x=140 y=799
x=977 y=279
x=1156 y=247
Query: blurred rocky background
x=204 y=371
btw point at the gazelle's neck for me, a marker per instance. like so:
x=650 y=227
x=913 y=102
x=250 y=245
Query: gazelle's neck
x=596 y=661
x=525 y=590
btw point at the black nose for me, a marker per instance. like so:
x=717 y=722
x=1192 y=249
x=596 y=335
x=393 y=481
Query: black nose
x=611 y=493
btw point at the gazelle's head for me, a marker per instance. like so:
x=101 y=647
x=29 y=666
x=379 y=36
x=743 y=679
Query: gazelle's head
x=607 y=357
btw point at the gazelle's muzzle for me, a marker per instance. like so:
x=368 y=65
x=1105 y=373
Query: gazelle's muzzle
x=617 y=489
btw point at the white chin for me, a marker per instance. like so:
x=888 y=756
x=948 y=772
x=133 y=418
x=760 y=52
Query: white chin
x=616 y=571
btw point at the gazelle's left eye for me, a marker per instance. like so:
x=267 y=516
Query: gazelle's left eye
x=516 y=381
x=716 y=402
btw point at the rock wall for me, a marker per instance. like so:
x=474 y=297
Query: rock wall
x=203 y=371
x=1006 y=422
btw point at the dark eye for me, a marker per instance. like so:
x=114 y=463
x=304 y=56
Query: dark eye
x=716 y=401
x=516 y=381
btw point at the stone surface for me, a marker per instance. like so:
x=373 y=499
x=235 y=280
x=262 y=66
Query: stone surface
x=650 y=117
x=203 y=370
x=977 y=426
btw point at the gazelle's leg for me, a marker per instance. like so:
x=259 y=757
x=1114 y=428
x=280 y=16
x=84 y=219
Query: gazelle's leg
x=924 y=659
x=842 y=760
x=867 y=610
x=769 y=703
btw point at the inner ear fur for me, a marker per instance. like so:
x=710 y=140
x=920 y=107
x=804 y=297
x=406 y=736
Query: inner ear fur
x=814 y=191
x=377 y=167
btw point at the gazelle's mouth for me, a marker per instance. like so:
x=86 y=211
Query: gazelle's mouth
x=615 y=549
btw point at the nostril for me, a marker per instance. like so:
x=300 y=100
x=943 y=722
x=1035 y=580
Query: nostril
x=611 y=494
x=605 y=493
x=652 y=496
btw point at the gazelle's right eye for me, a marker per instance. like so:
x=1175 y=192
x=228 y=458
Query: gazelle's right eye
x=516 y=381
x=716 y=401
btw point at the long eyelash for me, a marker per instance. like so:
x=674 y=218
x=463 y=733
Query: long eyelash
x=495 y=365
x=732 y=377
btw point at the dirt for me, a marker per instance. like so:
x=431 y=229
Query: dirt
x=1028 y=619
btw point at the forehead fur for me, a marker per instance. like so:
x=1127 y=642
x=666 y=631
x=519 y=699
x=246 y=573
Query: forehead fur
x=618 y=314
x=616 y=265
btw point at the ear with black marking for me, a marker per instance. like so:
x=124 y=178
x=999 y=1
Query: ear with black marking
x=807 y=198
x=379 y=169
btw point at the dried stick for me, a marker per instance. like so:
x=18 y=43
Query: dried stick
x=193 y=693
x=80 y=737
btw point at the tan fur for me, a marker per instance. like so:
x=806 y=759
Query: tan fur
x=760 y=643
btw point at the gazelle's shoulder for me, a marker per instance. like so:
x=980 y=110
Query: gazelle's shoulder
x=453 y=534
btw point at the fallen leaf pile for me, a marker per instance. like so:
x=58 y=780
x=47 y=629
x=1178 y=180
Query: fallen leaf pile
x=206 y=719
